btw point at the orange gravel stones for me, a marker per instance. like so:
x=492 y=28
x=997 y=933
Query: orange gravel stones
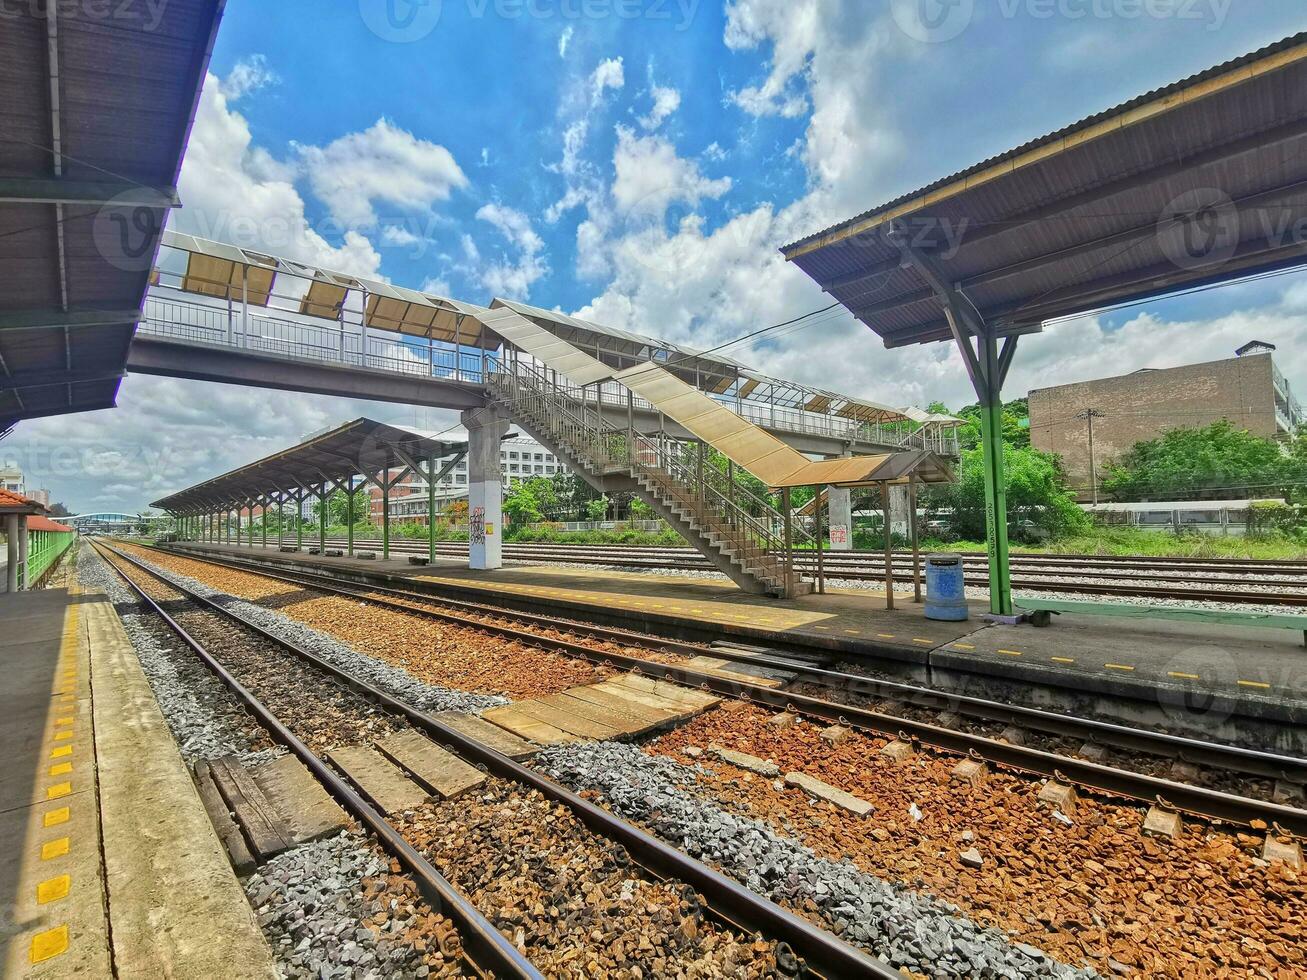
x=453 y=656
x=1095 y=892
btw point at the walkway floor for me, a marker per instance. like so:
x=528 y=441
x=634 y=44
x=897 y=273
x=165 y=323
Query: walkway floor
x=1108 y=654
x=108 y=863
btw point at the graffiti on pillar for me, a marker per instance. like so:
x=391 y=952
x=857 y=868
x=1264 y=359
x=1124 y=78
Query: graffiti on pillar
x=476 y=525
x=839 y=534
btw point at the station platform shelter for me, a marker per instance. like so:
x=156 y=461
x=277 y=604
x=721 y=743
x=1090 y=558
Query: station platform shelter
x=1172 y=671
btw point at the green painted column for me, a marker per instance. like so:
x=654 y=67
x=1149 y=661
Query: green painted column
x=322 y=518
x=251 y=534
x=299 y=518
x=431 y=510
x=991 y=440
x=349 y=516
x=281 y=520
x=385 y=515
x=238 y=525
x=263 y=520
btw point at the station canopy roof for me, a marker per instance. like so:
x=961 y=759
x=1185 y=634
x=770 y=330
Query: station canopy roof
x=359 y=447
x=99 y=100
x=1200 y=182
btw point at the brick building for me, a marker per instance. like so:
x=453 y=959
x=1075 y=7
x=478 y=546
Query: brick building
x=1247 y=389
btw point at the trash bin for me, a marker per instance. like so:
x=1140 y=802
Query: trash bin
x=946 y=596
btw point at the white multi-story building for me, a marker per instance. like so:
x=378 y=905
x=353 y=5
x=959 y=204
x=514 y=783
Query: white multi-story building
x=520 y=458
x=11 y=479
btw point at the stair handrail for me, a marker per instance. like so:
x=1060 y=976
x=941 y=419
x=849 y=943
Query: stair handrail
x=607 y=444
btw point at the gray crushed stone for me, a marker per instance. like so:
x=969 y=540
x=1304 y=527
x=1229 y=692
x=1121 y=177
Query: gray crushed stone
x=903 y=928
x=205 y=719
x=310 y=903
x=392 y=680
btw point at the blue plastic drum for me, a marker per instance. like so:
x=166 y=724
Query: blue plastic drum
x=946 y=596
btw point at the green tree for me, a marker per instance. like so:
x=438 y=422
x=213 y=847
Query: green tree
x=1039 y=503
x=1016 y=423
x=521 y=505
x=1211 y=462
x=597 y=509
x=337 y=509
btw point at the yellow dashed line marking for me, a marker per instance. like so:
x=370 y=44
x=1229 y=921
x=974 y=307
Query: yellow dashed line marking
x=827 y=628
x=1063 y=660
x=58 y=790
x=61 y=751
x=1253 y=684
x=64 y=721
x=54 y=848
x=1182 y=676
x=53 y=889
x=920 y=639
x=885 y=636
x=61 y=769
x=1010 y=653
x=56 y=817
x=964 y=646
x=60 y=736
x=48 y=944
x=1118 y=666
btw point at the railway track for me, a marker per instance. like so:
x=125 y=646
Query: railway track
x=1196 y=580
x=325 y=698
x=565 y=637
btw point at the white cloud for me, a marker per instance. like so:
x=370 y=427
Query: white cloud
x=650 y=176
x=714 y=152
x=234 y=191
x=511 y=278
x=397 y=235
x=381 y=164
x=564 y=40
x=665 y=102
x=608 y=75
x=249 y=75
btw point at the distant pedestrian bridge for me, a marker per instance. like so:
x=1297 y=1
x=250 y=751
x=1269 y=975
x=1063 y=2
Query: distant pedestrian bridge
x=106 y=522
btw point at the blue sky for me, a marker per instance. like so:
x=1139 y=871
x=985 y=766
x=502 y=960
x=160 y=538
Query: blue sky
x=639 y=162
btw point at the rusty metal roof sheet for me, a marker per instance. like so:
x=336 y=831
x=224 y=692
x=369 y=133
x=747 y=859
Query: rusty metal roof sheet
x=1182 y=187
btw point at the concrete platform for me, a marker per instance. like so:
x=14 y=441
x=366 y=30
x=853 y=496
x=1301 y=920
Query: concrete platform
x=1225 y=670
x=108 y=864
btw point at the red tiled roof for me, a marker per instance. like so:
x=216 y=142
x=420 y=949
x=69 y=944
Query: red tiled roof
x=11 y=502
x=38 y=523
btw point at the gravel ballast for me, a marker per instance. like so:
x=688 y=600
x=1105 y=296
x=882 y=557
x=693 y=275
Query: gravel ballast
x=394 y=681
x=329 y=909
x=904 y=928
x=204 y=717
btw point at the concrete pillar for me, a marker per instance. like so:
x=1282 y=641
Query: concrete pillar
x=900 y=510
x=840 y=502
x=485 y=494
x=11 y=535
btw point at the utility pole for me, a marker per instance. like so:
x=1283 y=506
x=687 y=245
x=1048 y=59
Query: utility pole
x=1088 y=415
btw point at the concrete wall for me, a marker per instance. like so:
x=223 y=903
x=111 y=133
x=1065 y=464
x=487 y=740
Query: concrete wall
x=1147 y=403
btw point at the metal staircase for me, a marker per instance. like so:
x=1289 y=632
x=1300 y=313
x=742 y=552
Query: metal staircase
x=742 y=534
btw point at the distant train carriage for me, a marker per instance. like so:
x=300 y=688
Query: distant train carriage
x=1225 y=517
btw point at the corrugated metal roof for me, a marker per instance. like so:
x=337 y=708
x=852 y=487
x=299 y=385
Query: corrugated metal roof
x=1099 y=213
x=363 y=446
x=79 y=227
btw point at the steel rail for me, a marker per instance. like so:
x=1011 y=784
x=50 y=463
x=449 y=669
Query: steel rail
x=1236 y=758
x=488 y=951
x=1195 y=800
x=745 y=910
x=1099 y=588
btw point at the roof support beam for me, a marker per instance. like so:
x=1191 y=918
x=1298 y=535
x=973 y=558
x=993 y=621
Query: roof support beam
x=49 y=379
x=988 y=367
x=62 y=190
x=57 y=319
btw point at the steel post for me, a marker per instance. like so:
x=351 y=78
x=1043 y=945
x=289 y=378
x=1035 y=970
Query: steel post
x=818 y=534
x=281 y=519
x=299 y=517
x=991 y=439
x=349 y=515
x=916 y=539
x=889 y=547
x=385 y=514
x=323 y=497
x=431 y=510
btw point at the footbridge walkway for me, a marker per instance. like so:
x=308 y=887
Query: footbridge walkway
x=626 y=412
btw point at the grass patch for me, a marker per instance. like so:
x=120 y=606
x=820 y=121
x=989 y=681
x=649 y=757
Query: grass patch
x=1113 y=542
